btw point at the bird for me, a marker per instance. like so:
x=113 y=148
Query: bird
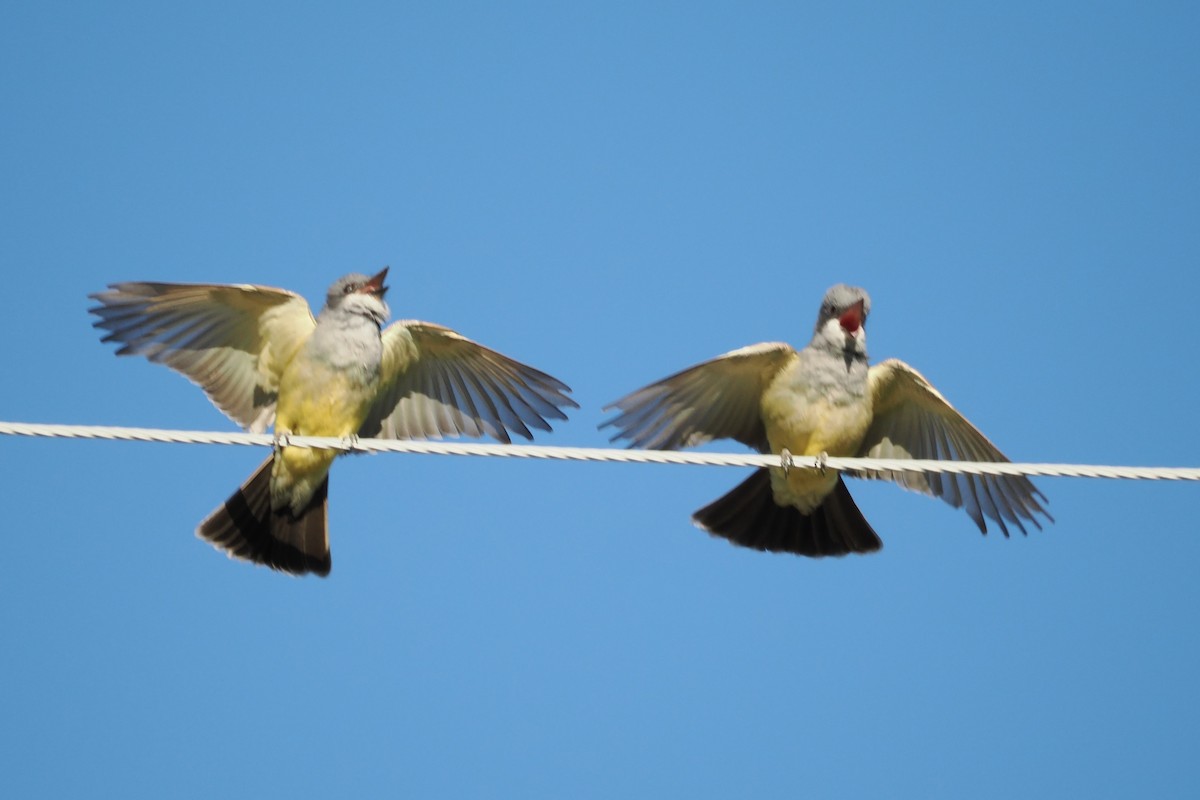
x=263 y=359
x=822 y=399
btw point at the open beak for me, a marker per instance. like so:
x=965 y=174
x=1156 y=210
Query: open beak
x=852 y=318
x=375 y=285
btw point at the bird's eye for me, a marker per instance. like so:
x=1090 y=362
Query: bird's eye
x=350 y=287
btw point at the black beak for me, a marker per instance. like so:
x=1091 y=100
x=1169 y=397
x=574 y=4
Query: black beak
x=375 y=285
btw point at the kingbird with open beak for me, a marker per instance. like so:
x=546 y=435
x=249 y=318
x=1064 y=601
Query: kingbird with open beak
x=262 y=358
x=822 y=399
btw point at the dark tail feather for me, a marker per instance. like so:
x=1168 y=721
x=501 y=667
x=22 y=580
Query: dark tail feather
x=749 y=516
x=245 y=527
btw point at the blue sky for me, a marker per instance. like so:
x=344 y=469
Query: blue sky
x=610 y=192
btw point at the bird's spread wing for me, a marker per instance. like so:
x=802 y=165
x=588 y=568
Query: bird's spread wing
x=718 y=399
x=913 y=420
x=232 y=341
x=437 y=383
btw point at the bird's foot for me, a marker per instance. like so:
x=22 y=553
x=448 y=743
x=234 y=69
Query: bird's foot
x=785 y=459
x=283 y=438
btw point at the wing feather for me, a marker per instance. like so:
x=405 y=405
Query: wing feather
x=717 y=399
x=440 y=383
x=233 y=341
x=913 y=420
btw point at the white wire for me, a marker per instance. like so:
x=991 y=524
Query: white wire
x=600 y=454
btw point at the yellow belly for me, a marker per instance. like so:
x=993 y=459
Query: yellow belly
x=313 y=401
x=807 y=426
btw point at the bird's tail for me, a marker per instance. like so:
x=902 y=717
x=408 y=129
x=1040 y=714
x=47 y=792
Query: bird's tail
x=245 y=527
x=749 y=516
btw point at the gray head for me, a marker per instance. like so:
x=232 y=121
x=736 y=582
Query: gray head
x=359 y=294
x=842 y=317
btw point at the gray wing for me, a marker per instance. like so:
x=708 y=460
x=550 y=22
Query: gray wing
x=913 y=420
x=232 y=341
x=717 y=399
x=438 y=383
